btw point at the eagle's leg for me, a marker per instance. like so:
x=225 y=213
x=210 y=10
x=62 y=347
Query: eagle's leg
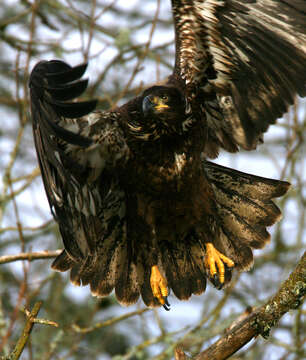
x=216 y=264
x=159 y=286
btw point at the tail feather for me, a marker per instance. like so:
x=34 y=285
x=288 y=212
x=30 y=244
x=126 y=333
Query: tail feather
x=75 y=275
x=182 y=269
x=103 y=281
x=81 y=273
x=196 y=256
x=127 y=287
x=103 y=270
x=108 y=265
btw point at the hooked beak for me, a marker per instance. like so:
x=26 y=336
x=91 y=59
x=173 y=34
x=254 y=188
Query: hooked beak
x=153 y=103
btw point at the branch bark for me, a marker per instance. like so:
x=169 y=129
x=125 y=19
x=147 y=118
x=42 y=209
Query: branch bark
x=261 y=320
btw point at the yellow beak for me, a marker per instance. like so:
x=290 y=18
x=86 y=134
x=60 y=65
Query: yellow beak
x=159 y=103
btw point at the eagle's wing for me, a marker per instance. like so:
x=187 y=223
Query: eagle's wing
x=241 y=62
x=77 y=155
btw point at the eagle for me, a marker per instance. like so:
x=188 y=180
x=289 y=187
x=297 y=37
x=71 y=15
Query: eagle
x=140 y=207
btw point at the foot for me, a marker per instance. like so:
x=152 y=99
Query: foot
x=159 y=287
x=217 y=264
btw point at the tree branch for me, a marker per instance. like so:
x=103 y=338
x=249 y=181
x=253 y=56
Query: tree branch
x=261 y=320
x=29 y=256
x=26 y=332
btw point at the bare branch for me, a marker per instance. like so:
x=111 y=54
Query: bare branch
x=26 y=332
x=260 y=322
x=29 y=256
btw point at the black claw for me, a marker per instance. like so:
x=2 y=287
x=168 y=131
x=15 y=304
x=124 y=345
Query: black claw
x=220 y=286
x=166 y=305
x=216 y=281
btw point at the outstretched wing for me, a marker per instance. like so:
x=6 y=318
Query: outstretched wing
x=241 y=63
x=77 y=156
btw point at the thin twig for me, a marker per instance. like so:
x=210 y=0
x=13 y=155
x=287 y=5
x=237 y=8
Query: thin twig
x=40 y=321
x=109 y=322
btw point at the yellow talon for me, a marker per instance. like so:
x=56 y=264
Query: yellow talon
x=212 y=258
x=158 y=285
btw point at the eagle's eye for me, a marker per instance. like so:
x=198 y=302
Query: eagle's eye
x=165 y=97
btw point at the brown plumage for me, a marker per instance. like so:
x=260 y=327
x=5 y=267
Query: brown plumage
x=138 y=204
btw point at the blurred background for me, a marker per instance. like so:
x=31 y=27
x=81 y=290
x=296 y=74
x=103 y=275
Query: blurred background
x=129 y=46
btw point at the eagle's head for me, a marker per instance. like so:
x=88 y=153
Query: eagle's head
x=162 y=113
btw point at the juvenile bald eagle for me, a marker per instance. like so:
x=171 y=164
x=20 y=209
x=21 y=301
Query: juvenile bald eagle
x=140 y=208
